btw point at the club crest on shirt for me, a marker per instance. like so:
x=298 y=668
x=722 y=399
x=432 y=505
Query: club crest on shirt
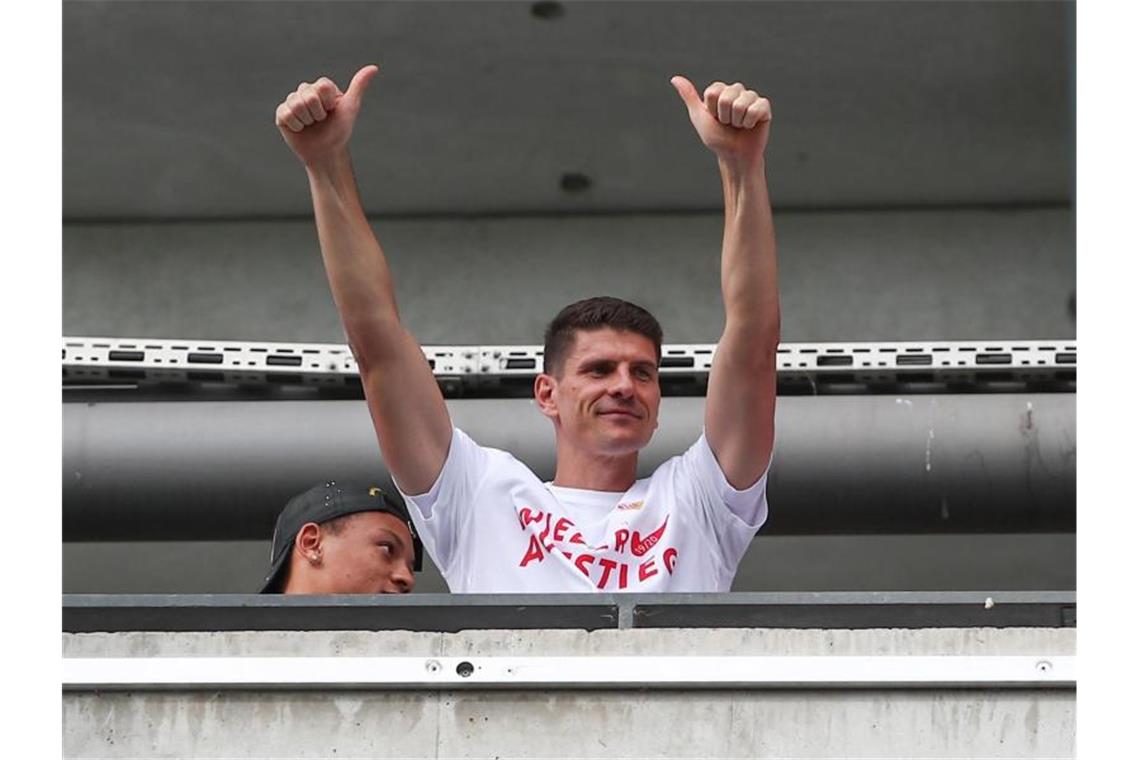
x=630 y=506
x=640 y=545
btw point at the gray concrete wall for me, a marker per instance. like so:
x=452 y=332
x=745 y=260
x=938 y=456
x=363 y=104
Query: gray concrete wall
x=581 y=723
x=876 y=103
x=872 y=275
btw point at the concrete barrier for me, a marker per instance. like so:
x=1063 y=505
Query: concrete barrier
x=575 y=722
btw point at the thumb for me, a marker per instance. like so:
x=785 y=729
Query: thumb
x=687 y=92
x=360 y=82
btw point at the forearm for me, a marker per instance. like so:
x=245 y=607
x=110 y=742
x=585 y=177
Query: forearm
x=748 y=259
x=413 y=427
x=357 y=271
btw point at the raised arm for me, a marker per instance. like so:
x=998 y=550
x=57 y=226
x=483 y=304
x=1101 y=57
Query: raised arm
x=407 y=408
x=733 y=122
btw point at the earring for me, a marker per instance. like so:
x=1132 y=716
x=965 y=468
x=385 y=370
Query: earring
x=314 y=558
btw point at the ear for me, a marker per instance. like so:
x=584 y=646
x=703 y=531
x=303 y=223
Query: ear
x=308 y=542
x=545 y=392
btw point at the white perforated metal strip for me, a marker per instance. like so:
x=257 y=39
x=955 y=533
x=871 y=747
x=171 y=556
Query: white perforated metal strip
x=324 y=362
x=135 y=673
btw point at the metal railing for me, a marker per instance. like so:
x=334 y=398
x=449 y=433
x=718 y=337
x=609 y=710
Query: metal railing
x=456 y=612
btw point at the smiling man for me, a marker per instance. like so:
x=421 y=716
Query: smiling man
x=489 y=523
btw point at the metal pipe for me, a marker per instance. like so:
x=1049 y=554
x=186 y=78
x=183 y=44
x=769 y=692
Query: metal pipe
x=843 y=464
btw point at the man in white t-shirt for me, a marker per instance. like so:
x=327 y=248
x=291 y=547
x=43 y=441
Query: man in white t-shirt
x=488 y=522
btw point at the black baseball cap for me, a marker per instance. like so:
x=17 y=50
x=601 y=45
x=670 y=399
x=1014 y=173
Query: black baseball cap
x=324 y=502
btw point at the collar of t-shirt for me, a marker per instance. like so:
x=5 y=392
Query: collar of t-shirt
x=594 y=503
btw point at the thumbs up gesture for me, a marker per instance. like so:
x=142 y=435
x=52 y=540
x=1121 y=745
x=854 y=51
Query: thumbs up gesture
x=731 y=120
x=316 y=119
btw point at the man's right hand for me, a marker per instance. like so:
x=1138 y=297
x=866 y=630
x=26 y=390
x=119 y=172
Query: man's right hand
x=316 y=120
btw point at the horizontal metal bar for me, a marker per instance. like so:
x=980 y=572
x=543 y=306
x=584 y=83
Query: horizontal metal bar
x=83 y=613
x=863 y=610
x=498 y=370
x=418 y=612
x=212 y=673
x=561 y=601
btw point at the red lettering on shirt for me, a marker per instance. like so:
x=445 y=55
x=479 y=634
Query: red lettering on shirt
x=527 y=516
x=545 y=531
x=642 y=545
x=533 y=552
x=560 y=528
x=620 y=537
x=646 y=569
x=607 y=566
x=553 y=536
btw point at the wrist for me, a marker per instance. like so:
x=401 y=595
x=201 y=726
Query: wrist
x=741 y=169
x=331 y=167
x=741 y=183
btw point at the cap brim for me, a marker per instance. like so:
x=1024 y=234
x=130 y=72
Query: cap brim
x=272 y=582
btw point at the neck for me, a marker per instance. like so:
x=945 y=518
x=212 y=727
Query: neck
x=300 y=582
x=595 y=472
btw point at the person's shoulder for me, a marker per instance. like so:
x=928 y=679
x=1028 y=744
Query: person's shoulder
x=495 y=457
x=696 y=465
x=665 y=473
x=697 y=450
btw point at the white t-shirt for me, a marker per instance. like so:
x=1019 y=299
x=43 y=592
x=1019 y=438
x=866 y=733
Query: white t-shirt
x=491 y=525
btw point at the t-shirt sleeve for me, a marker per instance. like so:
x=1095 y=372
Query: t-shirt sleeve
x=731 y=516
x=442 y=513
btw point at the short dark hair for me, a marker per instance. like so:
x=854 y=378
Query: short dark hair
x=594 y=314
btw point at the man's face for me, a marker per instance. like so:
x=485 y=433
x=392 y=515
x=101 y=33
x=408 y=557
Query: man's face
x=372 y=553
x=607 y=396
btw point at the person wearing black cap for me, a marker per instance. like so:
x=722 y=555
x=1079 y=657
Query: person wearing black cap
x=343 y=538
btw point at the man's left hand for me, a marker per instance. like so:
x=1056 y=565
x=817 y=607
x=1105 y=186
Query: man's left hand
x=731 y=120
